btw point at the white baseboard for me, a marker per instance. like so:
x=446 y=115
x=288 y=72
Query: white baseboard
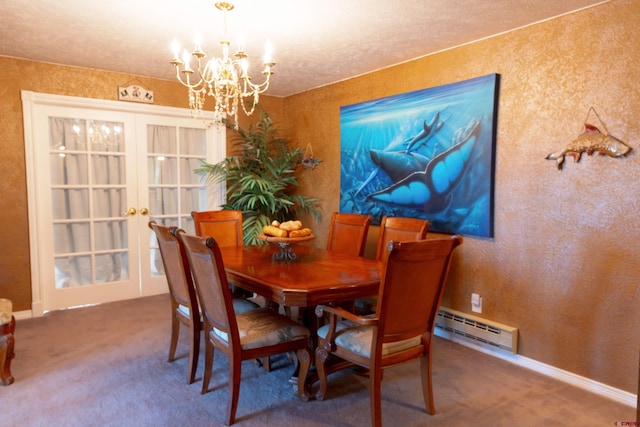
x=21 y=315
x=604 y=390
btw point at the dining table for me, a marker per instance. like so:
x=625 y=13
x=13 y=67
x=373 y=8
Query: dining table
x=316 y=276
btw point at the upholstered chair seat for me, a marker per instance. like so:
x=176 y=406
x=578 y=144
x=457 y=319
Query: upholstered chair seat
x=357 y=339
x=262 y=328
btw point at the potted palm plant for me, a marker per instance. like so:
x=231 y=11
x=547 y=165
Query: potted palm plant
x=261 y=178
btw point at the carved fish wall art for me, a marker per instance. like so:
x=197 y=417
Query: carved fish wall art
x=592 y=140
x=310 y=162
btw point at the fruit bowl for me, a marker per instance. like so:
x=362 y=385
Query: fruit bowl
x=285 y=244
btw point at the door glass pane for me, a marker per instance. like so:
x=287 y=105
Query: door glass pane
x=163 y=170
x=109 y=202
x=112 y=267
x=71 y=237
x=188 y=225
x=193 y=199
x=187 y=166
x=163 y=201
x=105 y=136
x=113 y=235
x=73 y=271
x=108 y=169
x=70 y=203
x=89 y=198
x=193 y=142
x=68 y=168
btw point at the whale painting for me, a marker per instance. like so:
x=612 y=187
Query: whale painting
x=423 y=154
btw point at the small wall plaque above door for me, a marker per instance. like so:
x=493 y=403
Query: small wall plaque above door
x=135 y=93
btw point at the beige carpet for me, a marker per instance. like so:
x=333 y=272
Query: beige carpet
x=106 y=366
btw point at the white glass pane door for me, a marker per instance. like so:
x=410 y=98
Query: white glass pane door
x=97 y=172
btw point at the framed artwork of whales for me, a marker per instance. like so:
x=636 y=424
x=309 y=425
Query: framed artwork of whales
x=425 y=154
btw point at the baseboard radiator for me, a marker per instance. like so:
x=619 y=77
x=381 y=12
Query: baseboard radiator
x=480 y=331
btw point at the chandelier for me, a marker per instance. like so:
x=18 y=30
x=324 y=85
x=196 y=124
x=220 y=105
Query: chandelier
x=225 y=79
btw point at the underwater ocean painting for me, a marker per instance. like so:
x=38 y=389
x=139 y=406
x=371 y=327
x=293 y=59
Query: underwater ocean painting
x=423 y=154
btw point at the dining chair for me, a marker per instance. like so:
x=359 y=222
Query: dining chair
x=240 y=336
x=223 y=225
x=182 y=294
x=394 y=334
x=396 y=228
x=226 y=227
x=401 y=229
x=348 y=233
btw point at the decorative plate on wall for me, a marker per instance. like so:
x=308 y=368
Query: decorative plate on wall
x=135 y=93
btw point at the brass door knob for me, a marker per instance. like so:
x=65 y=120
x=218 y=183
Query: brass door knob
x=130 y=211
x=144 y=211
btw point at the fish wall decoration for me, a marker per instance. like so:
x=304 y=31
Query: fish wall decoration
x=310 y=162
x=591 y=140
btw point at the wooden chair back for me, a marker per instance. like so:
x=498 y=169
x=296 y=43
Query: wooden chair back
x=348 y=233
x=182 y=292
x=425 y=264
x=213 y=290
x=176 y=265
x=401 y=229
x=223 y=225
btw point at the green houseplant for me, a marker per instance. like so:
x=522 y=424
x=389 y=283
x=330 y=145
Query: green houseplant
x=261 y=178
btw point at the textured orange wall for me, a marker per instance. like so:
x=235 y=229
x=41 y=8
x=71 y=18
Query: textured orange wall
x=564 y=265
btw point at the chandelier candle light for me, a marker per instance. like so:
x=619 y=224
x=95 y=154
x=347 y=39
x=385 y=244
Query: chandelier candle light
x=225 y=79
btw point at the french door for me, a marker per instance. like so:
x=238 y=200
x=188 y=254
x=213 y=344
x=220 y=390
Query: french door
x=97 y=172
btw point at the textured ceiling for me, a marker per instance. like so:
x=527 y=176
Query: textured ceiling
x=315 y=42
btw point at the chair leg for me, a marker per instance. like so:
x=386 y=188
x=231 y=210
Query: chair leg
x=194 y=353
x=266 y=364
x=321 y=358
x=375 y=381
x=296 y=362
x=175 y=332
x=427 y=389
x=208 y=365
x=235 y=370
x=7 y=343
x=304 y=362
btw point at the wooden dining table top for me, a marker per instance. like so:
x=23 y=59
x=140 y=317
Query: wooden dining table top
x=315 y=277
